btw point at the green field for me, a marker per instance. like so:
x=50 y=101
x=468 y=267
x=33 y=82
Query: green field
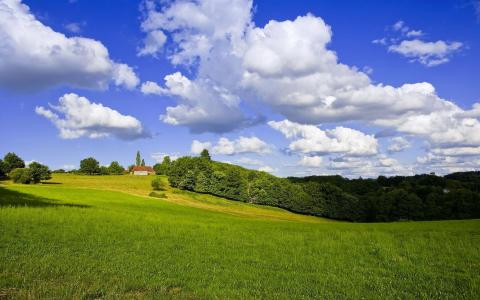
x=96 y=237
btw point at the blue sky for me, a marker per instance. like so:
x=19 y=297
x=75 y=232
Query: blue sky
x=290 y=87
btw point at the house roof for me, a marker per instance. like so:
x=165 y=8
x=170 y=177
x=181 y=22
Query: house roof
x=143 y=168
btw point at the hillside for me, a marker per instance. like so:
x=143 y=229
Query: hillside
x=91 y=237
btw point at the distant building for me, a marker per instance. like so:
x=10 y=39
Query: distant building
x=142 y=170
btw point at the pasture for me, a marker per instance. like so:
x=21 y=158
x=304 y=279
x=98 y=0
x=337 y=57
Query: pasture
x=103 y=237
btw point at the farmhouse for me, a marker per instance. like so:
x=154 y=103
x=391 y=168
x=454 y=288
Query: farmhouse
x=142 y=170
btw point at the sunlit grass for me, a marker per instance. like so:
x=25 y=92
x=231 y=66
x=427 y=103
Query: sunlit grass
x=75 y=240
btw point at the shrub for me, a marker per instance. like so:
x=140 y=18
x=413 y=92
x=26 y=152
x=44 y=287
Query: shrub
x=39 y=172
x=157 y=195
x=157 y=184
x=21 y=175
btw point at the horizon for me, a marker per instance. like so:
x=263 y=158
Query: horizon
x=288 y=88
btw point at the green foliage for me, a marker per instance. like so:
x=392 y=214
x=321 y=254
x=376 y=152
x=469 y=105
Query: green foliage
x=158 y=195
x=188 y=181
x=3 y=168
x=39 y=172
x=205 y=154
x=115 y=168
x=104 y=170
x=157 y=184
x=89 y=166
x=21 y=175
x=164 y=167
x=143 y=163
x=35 y=173
x=59 y=171
x=138 y=159
x=12 y=161
x=420 y=197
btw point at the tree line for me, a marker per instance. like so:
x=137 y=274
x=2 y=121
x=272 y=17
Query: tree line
x=419 y=197
x=13 y=167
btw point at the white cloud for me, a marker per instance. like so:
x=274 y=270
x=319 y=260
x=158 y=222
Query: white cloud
x=311 y=161
x=267 y=169
x=427 y=53
x=442 y=164
x=240 y=145
x=76 y=117
x=250 y=161
x=75 y=27
x=415 y=33
x=398 y=144
x=288 y=67
x=153 y=43
x=313 y=140
x=158 y=156
x=406 y=43
x=152 y=88
x=202 y=106
x=197 y=146
x=56 y=59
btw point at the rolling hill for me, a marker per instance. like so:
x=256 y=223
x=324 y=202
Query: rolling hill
x=96 y=237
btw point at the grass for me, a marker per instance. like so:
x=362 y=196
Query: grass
x=103 y=237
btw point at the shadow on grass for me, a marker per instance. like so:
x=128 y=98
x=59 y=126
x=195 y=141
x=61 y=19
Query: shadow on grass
x=14 y=198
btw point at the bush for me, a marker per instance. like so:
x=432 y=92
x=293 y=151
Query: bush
x=39 y=172
x=157 y=184
x=21 y=175
x=157 y=195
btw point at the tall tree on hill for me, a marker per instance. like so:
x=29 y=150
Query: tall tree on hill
x=205 y=154
x=138 y=159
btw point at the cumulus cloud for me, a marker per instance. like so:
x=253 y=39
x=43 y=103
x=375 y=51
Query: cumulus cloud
x=250 y=161
x=232 y=60
x=311 y=161
x=76 y=117
x=240 y=145
x=427 y=53
x=398 y=144
x=56 y=59
x=408 y=44
x=312 y=139
x=153 y=43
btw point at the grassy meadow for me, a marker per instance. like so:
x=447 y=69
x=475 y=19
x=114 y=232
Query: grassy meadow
x=103 y=237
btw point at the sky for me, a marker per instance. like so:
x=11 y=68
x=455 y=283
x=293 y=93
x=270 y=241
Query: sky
x=294 y=88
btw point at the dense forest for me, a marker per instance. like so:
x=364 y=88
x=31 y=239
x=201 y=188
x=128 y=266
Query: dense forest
x=419 y=197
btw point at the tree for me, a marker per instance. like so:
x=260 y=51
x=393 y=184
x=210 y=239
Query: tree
x=188 y=182
x=12 y=161
x=164 y=167
x=115 y=168
x=89 y=166
x=138 y=159
x=104 y=170
x=3 y=173
x=143 y=163
x=204 y=154
x=21 y=175
x=39 y=172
